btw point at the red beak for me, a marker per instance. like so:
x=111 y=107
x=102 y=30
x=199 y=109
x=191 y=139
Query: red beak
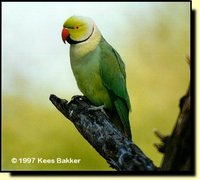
x=65 y=34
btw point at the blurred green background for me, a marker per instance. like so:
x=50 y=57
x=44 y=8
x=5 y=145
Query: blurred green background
x=152 y=38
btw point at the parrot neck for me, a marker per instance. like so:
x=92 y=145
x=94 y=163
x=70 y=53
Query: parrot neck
x=81 y=49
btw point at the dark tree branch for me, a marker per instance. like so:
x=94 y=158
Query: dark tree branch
x=121 y=153
x=178 y=147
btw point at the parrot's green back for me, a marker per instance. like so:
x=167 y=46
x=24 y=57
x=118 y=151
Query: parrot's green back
x=112 y=70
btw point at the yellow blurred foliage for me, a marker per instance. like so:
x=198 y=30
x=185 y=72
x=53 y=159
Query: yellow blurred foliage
x=31 y=131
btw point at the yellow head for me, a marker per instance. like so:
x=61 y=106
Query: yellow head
x=77 y=29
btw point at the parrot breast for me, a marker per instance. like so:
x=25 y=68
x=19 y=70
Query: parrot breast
x=85 y=58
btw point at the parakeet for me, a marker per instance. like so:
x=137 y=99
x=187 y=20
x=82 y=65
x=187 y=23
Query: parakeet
x=98 y=70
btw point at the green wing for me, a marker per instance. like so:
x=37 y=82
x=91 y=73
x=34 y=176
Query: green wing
x=112 y=71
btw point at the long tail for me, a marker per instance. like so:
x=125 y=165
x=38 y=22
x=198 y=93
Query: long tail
x=120 y=117
x=123 y=113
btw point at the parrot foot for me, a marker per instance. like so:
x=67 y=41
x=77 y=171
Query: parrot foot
x=94 y=108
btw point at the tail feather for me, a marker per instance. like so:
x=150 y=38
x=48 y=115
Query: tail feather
x=123 y=113
x=119 y=116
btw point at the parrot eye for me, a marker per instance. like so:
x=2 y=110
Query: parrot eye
x=76 y=27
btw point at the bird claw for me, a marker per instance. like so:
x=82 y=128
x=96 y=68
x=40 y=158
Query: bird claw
x=94 y=108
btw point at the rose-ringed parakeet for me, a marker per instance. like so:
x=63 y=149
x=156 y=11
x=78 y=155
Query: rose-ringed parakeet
x=98 y=70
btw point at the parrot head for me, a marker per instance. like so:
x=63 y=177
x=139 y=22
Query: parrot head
x=77 y=29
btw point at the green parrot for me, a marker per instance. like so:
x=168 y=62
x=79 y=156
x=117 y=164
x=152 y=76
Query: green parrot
x=98 y=70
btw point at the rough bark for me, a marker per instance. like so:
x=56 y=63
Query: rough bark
x=95 y=126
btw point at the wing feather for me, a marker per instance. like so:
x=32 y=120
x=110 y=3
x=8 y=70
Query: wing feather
x=112 y=71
